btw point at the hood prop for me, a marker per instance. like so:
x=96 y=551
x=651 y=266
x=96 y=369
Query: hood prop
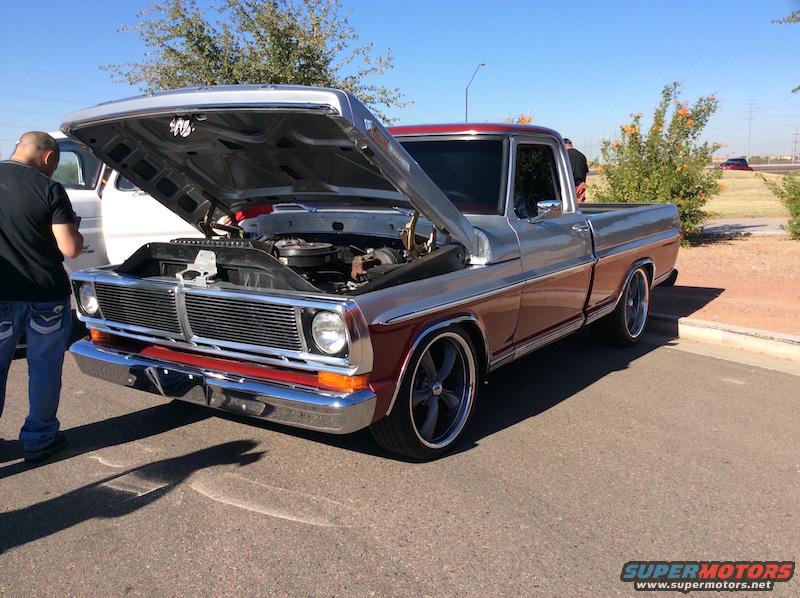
x=408 y=234
x=207 y=224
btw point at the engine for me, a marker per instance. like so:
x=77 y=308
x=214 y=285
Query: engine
x=328 y=263
x=339 y=267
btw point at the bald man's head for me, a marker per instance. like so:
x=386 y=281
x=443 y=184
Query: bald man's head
x=38 y=149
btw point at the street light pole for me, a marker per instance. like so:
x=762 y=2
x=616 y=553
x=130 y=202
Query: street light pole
x=466 y=92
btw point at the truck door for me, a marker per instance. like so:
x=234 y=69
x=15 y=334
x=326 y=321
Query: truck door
x=132 y=218
x=79 y=172
x=555 y=248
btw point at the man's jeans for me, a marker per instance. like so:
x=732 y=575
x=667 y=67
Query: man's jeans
x=47 y=327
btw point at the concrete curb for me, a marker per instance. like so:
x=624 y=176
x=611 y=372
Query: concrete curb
x=784 y=346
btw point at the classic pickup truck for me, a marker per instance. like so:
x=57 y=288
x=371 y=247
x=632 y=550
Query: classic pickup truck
x=350 y=275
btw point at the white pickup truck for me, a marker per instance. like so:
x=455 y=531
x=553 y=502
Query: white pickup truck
x=116 y=217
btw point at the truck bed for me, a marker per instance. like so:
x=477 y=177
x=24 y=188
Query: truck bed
x=619 y=226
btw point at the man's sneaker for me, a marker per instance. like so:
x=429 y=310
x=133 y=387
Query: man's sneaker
x=59 y=443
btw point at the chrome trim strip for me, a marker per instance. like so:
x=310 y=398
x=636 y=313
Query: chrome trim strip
x=601 y=312
x=504 y=359
x=334 y=413
x=418 y=340
x=540 y=341
x=298 y=320
x=547 y=338
x=471 y=299
x=183 y=315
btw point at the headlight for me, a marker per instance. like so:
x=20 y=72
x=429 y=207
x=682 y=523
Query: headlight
x=88 y=299
x=329 y=332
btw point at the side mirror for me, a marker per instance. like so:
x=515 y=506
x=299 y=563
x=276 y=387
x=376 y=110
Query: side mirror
x=546 y=209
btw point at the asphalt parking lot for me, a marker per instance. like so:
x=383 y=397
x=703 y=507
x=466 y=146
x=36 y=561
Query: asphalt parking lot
x=581 y=458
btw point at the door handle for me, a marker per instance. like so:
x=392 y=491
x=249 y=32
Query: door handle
x=580 y=228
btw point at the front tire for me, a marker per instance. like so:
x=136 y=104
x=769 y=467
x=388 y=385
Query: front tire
x=625 y=325
x=435 y=400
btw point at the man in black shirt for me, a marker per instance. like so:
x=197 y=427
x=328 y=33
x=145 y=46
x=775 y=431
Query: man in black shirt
x=580 y=169
x=38 y=228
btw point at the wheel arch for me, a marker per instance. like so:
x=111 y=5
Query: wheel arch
x=647 y=265
x=474 y=329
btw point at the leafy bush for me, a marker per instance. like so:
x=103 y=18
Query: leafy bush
x=668 y=164
x=788 y=190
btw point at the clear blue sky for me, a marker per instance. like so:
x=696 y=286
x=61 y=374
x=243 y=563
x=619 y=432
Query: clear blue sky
x=579 y=67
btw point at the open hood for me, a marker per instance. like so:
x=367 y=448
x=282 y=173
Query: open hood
x=232 y=147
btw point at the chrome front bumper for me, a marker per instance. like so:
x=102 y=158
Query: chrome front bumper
x=290 y=405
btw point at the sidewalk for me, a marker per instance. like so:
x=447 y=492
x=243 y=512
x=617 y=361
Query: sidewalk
x=751 y=226
x=734 y=288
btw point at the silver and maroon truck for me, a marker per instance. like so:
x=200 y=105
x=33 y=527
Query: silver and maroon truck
x=350 y=275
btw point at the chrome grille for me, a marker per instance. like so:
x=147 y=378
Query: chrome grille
x=245 y=322
x=139 y=306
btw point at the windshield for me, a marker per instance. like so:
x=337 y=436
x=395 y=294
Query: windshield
x=469 y=172
x=77 y=167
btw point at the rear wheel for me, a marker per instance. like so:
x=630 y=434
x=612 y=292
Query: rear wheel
x=435 y=400
x=626 y=324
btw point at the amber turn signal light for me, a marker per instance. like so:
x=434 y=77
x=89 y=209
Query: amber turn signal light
x=99 y=336
x=341 y=382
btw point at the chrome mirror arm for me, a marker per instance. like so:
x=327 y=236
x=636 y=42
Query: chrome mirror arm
x=545 y=209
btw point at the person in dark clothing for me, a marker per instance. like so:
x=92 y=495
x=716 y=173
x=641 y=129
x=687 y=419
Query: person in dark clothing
x=38 y=229
x=580 y=169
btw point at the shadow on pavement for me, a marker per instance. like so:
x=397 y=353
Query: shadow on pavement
x=512 y=394
x=535 y=384
x=109 y=432
x=726 y=234
x=682 y=301
x=117 y=495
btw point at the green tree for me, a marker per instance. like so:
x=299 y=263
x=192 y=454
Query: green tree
x=792 y=17
x=302 y=42
x=788 y=190
x=667 y=164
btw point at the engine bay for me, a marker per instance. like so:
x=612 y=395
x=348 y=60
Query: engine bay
x=331 y=263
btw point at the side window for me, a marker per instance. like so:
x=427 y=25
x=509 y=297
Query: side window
x=535 y=178
x=77 y=168
x=69 y=172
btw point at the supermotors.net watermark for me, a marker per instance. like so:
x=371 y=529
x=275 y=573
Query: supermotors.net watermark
x=709 y=576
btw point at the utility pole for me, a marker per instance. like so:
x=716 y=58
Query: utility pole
x=751 y=104
x=466 y=92
x=794 y=144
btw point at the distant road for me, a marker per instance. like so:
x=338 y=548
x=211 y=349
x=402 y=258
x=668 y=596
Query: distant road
x=773 y=168
x=776 y=168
